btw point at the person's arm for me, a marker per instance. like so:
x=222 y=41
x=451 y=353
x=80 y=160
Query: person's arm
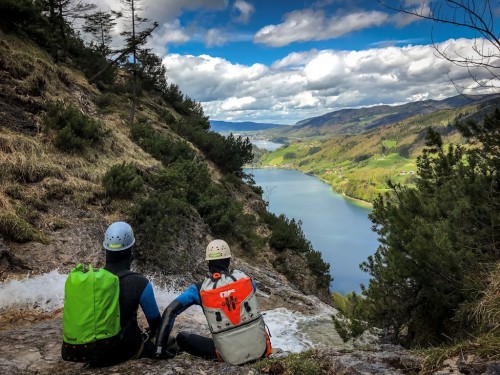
x=188 y=298
x=150 y=308
x=253 y=284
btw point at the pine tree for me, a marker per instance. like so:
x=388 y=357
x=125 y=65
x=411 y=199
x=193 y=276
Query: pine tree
x=437 y=241
x=64 y=12
x=135 y=36
x=100 y=25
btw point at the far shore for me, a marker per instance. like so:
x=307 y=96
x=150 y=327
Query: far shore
x=357 y=201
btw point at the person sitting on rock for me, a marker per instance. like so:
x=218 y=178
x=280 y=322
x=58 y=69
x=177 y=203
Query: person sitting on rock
x=100 y=310
x=135 y=291
x=239 y=334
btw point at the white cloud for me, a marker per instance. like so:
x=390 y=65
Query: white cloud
x=168 y=33
x=295 y=59
x=166 y=13
x=214 y=37
x=420 y=7
x=307 y=24
x=305 y=99
x=244 y=9
x=167 y=10
x=233 y=104
x=308 y=84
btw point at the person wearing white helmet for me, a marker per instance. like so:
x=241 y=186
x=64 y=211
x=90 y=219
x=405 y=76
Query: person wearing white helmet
x=135 y=291
x=229 y=304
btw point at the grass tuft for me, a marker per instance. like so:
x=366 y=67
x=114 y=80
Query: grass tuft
x=486 y=347
x=304 y=363
x=17 y=229
x=487 y=311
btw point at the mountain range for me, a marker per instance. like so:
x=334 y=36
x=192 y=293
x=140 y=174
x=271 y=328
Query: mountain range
x=349 y=120
x=358 y=120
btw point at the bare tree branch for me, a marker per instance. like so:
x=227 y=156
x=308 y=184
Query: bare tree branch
x=483 y=66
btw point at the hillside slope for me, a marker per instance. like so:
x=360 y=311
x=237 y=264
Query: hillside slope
x=360 y=165
x=71 y=164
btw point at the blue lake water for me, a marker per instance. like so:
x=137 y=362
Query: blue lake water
x=337 y=227
x=265 y=144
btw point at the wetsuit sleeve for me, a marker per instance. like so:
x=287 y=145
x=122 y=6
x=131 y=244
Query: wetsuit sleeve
x=191 y=296
x=254 y=285
x=150 y=308
x=188 y=298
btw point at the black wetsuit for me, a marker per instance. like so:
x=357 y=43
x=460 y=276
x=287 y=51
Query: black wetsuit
x=135 y=291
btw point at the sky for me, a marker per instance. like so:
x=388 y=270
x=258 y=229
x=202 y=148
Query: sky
x=282 y=61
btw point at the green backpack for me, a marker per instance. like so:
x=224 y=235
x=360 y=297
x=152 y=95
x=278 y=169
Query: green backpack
x=91 y=314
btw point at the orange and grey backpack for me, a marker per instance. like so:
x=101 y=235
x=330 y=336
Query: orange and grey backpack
x=237 y=326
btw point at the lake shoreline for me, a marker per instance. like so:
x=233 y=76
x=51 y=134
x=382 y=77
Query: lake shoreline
x=356 y=201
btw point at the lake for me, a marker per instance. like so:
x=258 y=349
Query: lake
x=337 y=227
x=265 y=144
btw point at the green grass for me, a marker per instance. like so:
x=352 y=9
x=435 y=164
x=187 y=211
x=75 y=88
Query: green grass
x=389 y=143
x=17 y=229
x=305 y=363
x=389 y=161
x=486 y=347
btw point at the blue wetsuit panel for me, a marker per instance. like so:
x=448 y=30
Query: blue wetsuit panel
x=148 y=303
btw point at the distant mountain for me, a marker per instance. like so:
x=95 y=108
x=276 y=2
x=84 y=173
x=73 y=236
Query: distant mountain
x=355 y=121
x=226 y=126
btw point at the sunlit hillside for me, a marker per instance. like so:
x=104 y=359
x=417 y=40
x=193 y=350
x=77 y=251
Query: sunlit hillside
x=361 y=165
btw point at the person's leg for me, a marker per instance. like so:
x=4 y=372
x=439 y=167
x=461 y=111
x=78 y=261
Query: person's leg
x=196 y=345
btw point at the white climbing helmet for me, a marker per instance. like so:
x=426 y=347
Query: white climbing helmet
x=119 y=236
x=218 y=249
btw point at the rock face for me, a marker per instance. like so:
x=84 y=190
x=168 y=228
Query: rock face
x=35 y=349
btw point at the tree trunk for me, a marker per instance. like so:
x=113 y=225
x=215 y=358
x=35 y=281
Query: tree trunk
x=134 y=61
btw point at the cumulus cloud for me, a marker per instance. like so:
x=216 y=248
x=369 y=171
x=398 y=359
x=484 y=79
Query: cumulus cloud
x=417 y=7
x=308 y=84
x=233 y=104
x=244 y=10
x=308 y=24
x=168 y=33
x=166 y=13
x=214 y=37
x=167 y=10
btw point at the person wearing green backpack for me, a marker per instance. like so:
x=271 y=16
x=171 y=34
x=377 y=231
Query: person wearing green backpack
x=100 y=307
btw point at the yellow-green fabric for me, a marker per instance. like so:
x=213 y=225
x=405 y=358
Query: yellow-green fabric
x=91 y=305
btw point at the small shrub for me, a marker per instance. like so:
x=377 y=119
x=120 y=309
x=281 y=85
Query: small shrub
x=361 y=157
x=288 y=234
x=167 y=117
x=158 y=219
x=289 y=155
x=74 y=130
x=17 y=229
x=218 y=210
x=352 y=322
x=104 y=101
x=313 y=150
x=122 y=180
x=159 y=146
x=320 y=268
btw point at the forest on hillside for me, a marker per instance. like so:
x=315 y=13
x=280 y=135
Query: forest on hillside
x=96 y=154
x=434 y=276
